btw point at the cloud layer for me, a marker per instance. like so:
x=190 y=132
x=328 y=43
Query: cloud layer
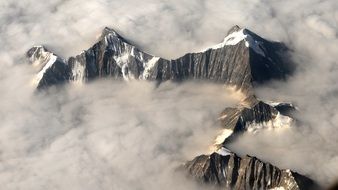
x=40 y=131
x=108 y=135
x=165 y=28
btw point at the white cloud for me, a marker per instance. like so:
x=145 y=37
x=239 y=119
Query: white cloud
x=108 y=135
x=168 y=29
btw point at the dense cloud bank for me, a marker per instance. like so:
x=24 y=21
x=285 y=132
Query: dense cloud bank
x=108 y=135
x=39 y=132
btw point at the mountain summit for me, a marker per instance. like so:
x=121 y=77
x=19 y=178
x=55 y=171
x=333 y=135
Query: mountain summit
x=242 y=60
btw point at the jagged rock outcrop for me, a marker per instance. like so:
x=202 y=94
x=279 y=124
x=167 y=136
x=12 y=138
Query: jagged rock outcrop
x=226 y=169
x=52 y=69
x=253 y=116
x=241 y=60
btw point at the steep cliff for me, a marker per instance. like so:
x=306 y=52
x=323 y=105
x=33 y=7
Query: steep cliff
x=242 y=58
x=226 y=169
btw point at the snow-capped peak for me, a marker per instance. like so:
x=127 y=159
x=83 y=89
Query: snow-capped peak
x=241 y=35
x=233 y=39
x=41 y=59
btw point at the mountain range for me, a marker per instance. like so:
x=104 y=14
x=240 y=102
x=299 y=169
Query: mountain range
x=242 y=61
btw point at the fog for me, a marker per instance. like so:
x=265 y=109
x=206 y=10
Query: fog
x=106 y=135
x=71 y=136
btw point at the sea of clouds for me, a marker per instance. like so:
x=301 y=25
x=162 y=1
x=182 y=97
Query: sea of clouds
x=109 y=135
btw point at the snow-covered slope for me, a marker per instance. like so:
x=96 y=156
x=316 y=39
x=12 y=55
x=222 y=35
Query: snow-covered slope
x=238 y=35
x=51 y=68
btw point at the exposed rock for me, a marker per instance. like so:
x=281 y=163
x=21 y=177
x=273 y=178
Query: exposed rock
x=52 y=69
x=242 y=58
x=252 y=117
x=233 y=172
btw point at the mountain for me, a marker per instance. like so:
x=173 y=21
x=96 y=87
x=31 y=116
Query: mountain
x=226 y=169
x=53 y=69
x=242 y=60
x=253 y=116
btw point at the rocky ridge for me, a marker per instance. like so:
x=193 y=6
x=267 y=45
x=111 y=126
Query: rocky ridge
x=242 y=60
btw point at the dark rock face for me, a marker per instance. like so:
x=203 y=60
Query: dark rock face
x=286 y=108
x=226 y=169
x=233 y=172
x=237 y=119
x=241 y=60
x=53 y=70
x=253 y=116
